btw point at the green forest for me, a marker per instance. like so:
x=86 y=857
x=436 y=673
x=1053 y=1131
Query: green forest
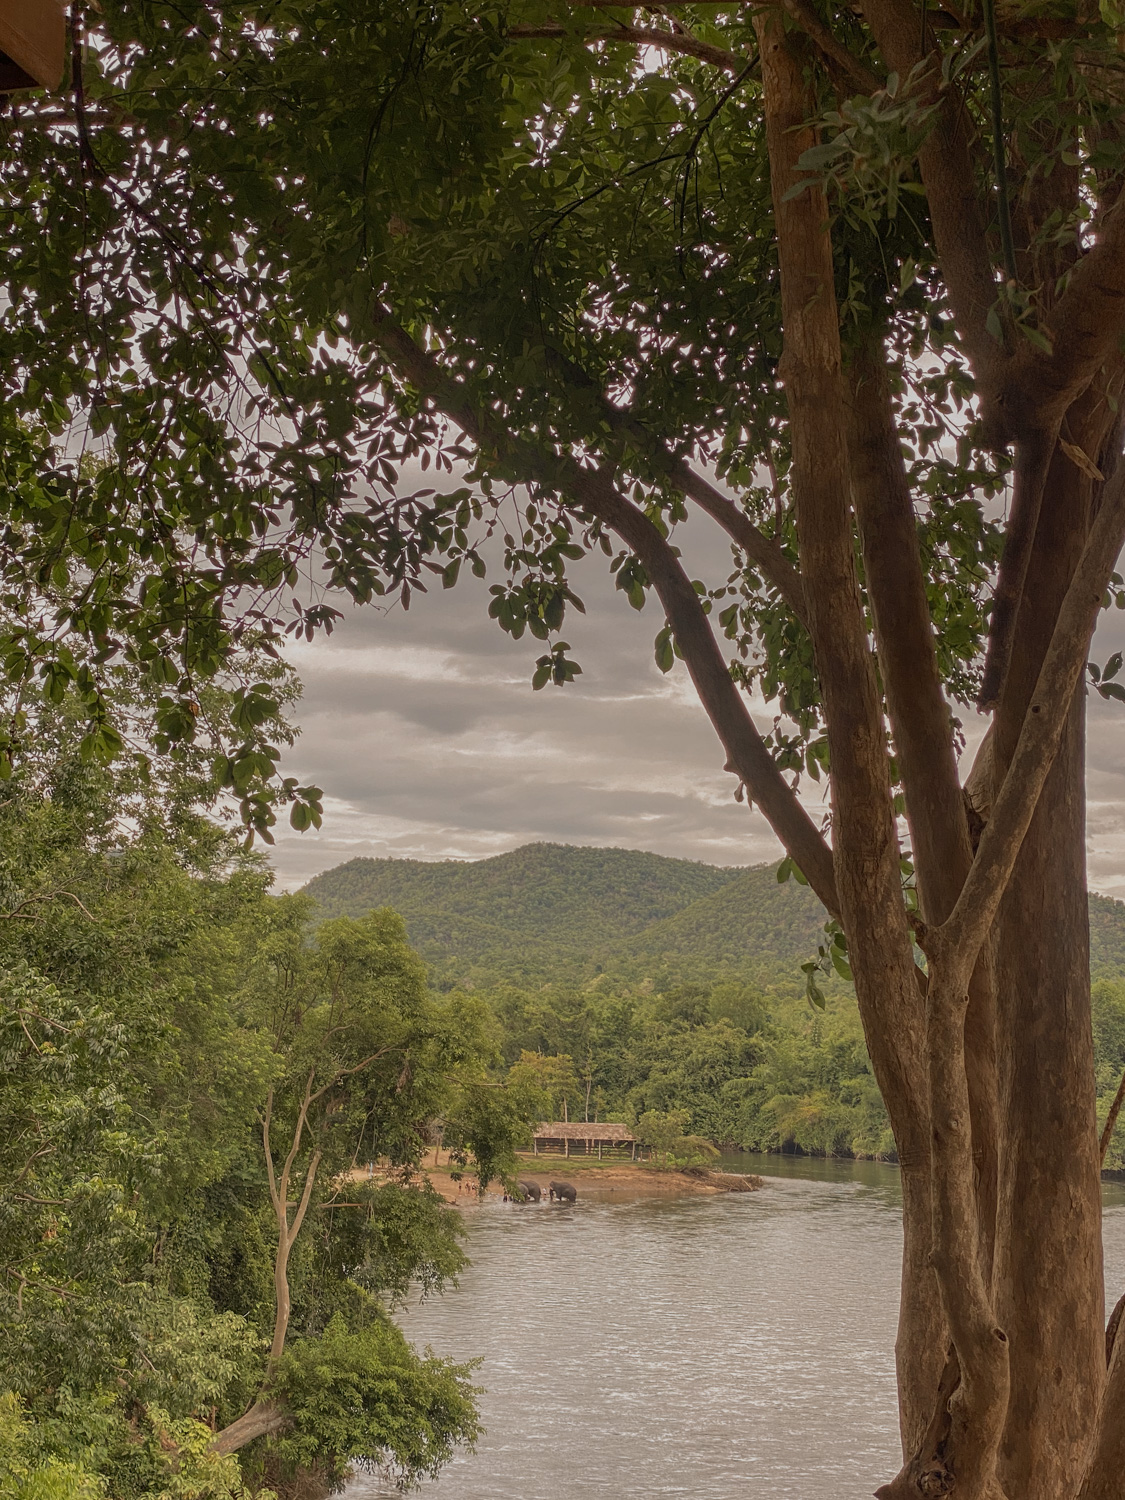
x=662 y=985
x=195 y=1294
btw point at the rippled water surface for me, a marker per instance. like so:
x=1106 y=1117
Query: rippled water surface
x=712 y=1347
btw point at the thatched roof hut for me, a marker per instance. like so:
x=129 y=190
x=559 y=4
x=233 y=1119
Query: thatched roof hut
x=582 y=1137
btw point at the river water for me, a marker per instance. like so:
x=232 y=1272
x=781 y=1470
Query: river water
x=711 y=1347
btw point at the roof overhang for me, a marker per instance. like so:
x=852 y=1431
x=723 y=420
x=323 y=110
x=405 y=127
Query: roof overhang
x=32 y=44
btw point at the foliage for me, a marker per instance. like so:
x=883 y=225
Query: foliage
x=366 y=1395
x=524 y=913
x=548 y=913
x=24 y=1475
x=664 y=1133
x=153 y=995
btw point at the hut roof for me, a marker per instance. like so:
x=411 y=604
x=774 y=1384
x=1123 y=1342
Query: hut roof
x=582 y=1130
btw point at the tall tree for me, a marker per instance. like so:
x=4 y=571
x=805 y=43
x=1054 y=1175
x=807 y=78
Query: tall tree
x=833 y=276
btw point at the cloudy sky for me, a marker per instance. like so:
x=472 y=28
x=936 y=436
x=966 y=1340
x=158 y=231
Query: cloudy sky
x=429 y=742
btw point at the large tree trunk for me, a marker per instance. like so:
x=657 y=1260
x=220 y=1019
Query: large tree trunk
x=1048 y=1284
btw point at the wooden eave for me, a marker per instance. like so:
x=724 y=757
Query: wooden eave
x=32 y=44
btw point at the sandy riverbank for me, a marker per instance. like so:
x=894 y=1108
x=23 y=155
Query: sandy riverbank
x=604 y=1181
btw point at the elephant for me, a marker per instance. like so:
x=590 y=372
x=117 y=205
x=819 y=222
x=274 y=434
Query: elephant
x=563 y=1192
x=531 y=1192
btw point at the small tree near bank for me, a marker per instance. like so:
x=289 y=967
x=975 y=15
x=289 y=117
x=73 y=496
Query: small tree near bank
x=663 y=1133
x=866 y=266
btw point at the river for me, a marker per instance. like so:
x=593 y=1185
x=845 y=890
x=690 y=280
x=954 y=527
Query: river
x=712 y=1347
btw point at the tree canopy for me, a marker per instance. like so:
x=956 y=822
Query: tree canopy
x=847 y=281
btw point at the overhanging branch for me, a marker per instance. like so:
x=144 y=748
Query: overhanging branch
x=642 y=36
x=595 y=494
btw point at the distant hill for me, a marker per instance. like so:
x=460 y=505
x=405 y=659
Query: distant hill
x=523 y=914
x=556 y=911
x=748 y=921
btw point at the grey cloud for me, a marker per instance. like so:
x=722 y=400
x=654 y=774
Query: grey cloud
x=424 y=732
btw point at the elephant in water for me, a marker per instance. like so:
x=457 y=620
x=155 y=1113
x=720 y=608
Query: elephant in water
x=563 y=1192
x=531 y=1192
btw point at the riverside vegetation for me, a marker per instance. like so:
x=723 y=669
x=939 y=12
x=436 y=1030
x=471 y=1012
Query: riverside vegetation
x=628 y=985
x=194 y=1301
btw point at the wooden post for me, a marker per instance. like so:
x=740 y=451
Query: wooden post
x=566 y=1145
x=599 y=1150
x=535 y=1145
x=634 y=1156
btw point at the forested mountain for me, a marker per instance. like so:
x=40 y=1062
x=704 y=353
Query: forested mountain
x=643 y=988
x=539 y=905
x=555 y=911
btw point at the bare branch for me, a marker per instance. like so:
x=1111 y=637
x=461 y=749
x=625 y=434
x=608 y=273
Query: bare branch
x=346 y=1073
x=302 y=1207
x=643 y=36
x=268 y=1148
x=18 y=914
x=263 y=1419
x=298 y=1131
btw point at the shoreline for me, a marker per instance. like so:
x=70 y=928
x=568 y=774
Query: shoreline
x=600 y=1181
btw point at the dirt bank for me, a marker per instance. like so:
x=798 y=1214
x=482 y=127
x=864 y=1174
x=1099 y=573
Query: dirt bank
x=604 y=1181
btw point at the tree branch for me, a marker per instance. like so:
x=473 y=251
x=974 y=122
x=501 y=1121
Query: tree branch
x=643 y=36
x=865 y=838
x=595 y=493
x=1111 y=1121
x=1085 y=326
x=1014 y=807
x=831 y=48
x=302 y=1207
x=1033 y=462
x=262 y=1419
x=298 y=1131
x=268 y=1148
x=945 y=161
x=921 y=722
x=762 y=550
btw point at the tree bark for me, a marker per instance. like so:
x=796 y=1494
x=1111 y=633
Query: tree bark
x=263 y=1419
x=1048 y=1259
x=865 y=843
x=921 y=720
x=1103 y=1477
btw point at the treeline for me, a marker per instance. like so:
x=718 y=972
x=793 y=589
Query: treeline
x=750 y=1068
x=746 y=1067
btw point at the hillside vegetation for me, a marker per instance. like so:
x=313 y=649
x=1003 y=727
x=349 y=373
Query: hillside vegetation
x=631 y=986
x=555 y=910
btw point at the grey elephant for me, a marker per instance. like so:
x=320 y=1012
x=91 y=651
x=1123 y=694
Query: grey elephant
x=531 y=1191
x=563 y=1192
